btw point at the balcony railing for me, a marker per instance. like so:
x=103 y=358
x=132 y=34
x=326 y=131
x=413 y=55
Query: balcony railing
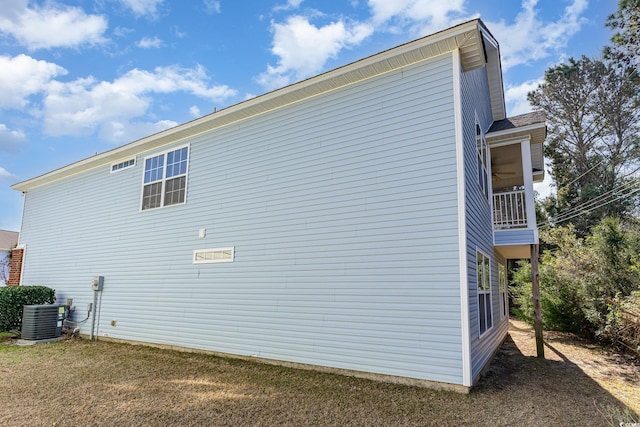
x=509 y=210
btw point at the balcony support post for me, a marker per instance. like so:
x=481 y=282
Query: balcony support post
x=537 y=309
x=527 y=173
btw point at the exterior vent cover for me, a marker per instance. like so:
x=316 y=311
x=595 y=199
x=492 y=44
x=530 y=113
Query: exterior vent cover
x=41 y=322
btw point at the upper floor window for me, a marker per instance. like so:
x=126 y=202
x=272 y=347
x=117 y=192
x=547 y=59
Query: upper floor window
x=483 y=160
x=165 y=179
x=123 y=165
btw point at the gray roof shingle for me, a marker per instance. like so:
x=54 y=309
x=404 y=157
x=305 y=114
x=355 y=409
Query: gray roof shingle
x=522 y=120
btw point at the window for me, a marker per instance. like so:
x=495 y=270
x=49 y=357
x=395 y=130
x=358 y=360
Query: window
x=165 y=179
x=484 y=292
x=504 y=296
x=483 y=160
x=208 y=256
x=123 y=165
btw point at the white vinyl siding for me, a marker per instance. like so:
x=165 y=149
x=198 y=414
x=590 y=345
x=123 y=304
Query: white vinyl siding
x=483 y=160
x=516 y=237
x=479 y=222
x=343 y=212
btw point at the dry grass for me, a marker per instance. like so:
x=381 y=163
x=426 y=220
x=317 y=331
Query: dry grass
x=97 y=383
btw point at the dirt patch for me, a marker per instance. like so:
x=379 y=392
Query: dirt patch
x=571 y=357
x=107 y=384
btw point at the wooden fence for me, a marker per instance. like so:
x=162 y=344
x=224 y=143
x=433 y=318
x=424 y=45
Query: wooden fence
x=627 y=332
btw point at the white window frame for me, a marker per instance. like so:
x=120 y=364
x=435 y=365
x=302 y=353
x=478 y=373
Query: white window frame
x=504 y=298
x=131 y=163
x=483 y=293
x=214 y=260
x=164 y=178
x=483 y=159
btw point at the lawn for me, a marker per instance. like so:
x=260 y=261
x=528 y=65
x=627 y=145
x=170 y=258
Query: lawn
x=78 y=382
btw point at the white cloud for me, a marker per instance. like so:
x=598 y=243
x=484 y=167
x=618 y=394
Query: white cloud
x=142 y=7
x=84 y=106
x=80 y=107
x=172 y=79
x=303 y=49
x=150 y=43
x=419 y=16
x=22 y=76
x=212 y=6
x=529 y=39
x=122 y=31
x=178 y=33
x=6 y=175
x=516 y=96
x=51 y=25
x=194 y=111
x=124 y=131
x=11 y=140
x=289 y=5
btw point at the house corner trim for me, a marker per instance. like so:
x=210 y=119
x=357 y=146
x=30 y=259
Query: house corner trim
x=462 y=221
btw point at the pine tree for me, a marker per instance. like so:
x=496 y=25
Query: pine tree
x=593 y=141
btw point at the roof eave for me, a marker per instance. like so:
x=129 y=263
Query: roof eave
x=536 y=131
x=469 y=37
x=494 y=74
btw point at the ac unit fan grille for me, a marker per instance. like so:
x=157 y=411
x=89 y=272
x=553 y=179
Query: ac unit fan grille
x=41 y=322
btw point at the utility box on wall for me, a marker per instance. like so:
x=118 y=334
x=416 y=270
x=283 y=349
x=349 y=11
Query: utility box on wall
x=43 y=321
x=97 y=282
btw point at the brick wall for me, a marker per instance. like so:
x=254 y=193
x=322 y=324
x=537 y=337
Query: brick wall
x=15 y=268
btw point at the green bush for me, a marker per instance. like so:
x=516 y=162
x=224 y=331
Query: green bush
x=13 y=298
x=580 y=276
x=560 y=304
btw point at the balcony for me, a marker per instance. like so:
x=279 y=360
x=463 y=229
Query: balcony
x=509 y=210
x=514 y=222
x=517 y=161
x=514 y=217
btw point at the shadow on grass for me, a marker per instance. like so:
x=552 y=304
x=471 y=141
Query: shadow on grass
x=548 y=392
x=108 y=384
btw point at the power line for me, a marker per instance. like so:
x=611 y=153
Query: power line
x=589 y=203
x=599 y=163
x=583 y=211
x=604 y=204
x=625 y=189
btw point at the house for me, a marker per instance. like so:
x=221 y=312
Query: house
x=8 y=241
x=357 y=221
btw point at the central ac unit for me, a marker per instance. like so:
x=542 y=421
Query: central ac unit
x=43 y=321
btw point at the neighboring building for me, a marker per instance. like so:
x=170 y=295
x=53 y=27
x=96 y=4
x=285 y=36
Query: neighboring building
x=8 y=241
x=359 y=220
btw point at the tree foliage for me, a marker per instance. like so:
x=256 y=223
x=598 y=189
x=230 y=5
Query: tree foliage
x=5 y=262
x=626 y=40
x=580 y=276
x=593 y=124
x=590 y=264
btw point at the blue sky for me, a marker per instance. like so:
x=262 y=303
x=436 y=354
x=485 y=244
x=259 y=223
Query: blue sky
x=79 y=77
